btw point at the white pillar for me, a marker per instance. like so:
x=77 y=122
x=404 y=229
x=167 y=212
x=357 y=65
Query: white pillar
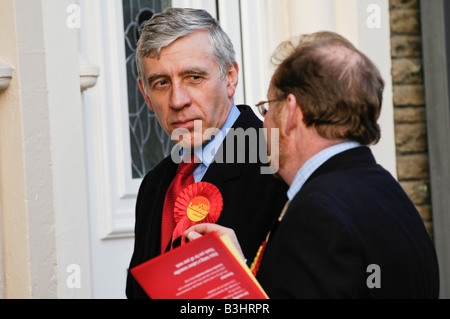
x=43 y=185
x=374 y=40
x=26 y=190
x=310 y=16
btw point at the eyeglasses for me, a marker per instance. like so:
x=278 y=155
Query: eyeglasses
x=262 y=106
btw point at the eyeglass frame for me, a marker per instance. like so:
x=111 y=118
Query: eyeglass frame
x=261 y=106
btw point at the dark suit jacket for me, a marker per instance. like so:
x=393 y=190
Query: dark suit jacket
x=350 y=214
x=251 y=200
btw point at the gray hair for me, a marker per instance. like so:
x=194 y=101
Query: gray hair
x=173 y=23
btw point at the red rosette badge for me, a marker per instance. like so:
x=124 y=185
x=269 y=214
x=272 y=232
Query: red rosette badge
x=198 y=203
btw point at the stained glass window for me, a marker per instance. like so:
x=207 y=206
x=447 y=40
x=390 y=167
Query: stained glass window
x=149 y=143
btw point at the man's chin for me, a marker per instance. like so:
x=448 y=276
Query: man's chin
x=189 y=142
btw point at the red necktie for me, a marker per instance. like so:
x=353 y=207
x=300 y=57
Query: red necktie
x=182 y=179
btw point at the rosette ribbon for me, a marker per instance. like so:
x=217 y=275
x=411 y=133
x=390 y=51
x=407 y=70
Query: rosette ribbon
x=198 y=203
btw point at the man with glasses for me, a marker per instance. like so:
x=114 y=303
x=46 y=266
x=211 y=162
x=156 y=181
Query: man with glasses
x=348 y=230
x=188 y=76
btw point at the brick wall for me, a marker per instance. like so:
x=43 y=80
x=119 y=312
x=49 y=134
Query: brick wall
x=409 y=104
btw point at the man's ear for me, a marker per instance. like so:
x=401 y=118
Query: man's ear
x=294 y=114
x=146 y=98
x=232 y=79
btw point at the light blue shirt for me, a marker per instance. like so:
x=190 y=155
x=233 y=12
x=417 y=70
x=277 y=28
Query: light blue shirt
x=207 y=152
x=314 y=163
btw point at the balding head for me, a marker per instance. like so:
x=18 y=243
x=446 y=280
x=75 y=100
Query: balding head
x=338 y=88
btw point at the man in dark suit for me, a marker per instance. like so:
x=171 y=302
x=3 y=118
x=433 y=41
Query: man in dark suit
x=188 y=76
x=348 y=230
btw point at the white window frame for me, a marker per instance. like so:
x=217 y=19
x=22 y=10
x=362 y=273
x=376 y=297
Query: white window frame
x=112 y=187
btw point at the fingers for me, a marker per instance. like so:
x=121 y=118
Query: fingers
x=196 y=231
x=199 y=230
x=206 y=228
x=192 y=235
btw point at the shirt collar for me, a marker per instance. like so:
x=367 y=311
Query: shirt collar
x=207 y=152
x=315 y=162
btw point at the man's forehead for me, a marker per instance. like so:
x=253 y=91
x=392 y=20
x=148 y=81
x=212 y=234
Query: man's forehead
x=177 y=64
x=177 y=70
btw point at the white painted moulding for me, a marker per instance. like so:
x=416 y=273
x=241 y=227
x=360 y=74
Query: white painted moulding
x=5 y=75
x=88 y=73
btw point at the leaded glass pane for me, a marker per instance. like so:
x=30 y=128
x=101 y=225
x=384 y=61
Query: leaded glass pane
x=149 y=143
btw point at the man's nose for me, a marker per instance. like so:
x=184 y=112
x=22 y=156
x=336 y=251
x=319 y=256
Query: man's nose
x=180 y=97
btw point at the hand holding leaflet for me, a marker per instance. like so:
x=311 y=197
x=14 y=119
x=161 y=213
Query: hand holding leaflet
x=209 y=267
